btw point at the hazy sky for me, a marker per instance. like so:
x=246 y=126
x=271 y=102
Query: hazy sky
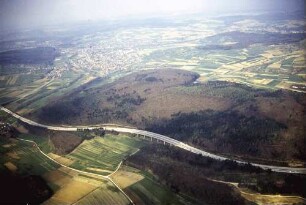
x=24 y=13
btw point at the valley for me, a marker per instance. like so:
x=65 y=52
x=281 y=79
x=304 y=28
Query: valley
x=193 y=109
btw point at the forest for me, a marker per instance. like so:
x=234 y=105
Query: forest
x=220 y=130
x=39 y=55
x=169 y=164
x=246 y=39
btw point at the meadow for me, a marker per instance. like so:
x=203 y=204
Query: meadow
x=102 y=155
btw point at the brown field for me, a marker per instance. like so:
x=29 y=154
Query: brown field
x=93 y=180
x=13 y=155
x=72 y=186
x=10 y=166
x=98 y=170
x=261 y=199
x=8 y=145
x=58 y=177
x=68 y=171
x=61 y=159
x=72 y=191
x=125 y=178
x=262 y=81
x=104 y=194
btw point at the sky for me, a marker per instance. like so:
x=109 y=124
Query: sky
x=31 y=13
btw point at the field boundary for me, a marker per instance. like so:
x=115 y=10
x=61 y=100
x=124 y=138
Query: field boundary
x=107 y=178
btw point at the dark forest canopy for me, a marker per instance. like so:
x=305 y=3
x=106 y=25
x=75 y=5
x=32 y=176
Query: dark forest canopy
x=39 y=55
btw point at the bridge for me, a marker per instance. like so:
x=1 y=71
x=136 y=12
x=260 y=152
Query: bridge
x=164 y=139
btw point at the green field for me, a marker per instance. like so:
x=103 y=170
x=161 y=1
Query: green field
x=102 y=155
x=144 y=188
x=44 y=143
x=105 y=194
x=25 y=157
x=151 y=192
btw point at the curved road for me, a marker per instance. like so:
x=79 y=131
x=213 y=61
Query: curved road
x=158 y=137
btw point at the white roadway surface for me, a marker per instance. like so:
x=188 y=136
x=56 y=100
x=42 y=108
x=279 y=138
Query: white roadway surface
x=158 y=137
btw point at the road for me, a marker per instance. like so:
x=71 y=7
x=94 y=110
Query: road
x=156 y=136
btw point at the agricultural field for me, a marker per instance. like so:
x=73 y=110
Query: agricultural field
x=261 y=66
x=25 y=158
x=105 y=194
x=102 y=155
x=263 y=56
x=44 y=143
x=143 y=188
x=22 y=158
x=262 y=199
x=230 y=85
x=82 y=189
x=99 y=155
